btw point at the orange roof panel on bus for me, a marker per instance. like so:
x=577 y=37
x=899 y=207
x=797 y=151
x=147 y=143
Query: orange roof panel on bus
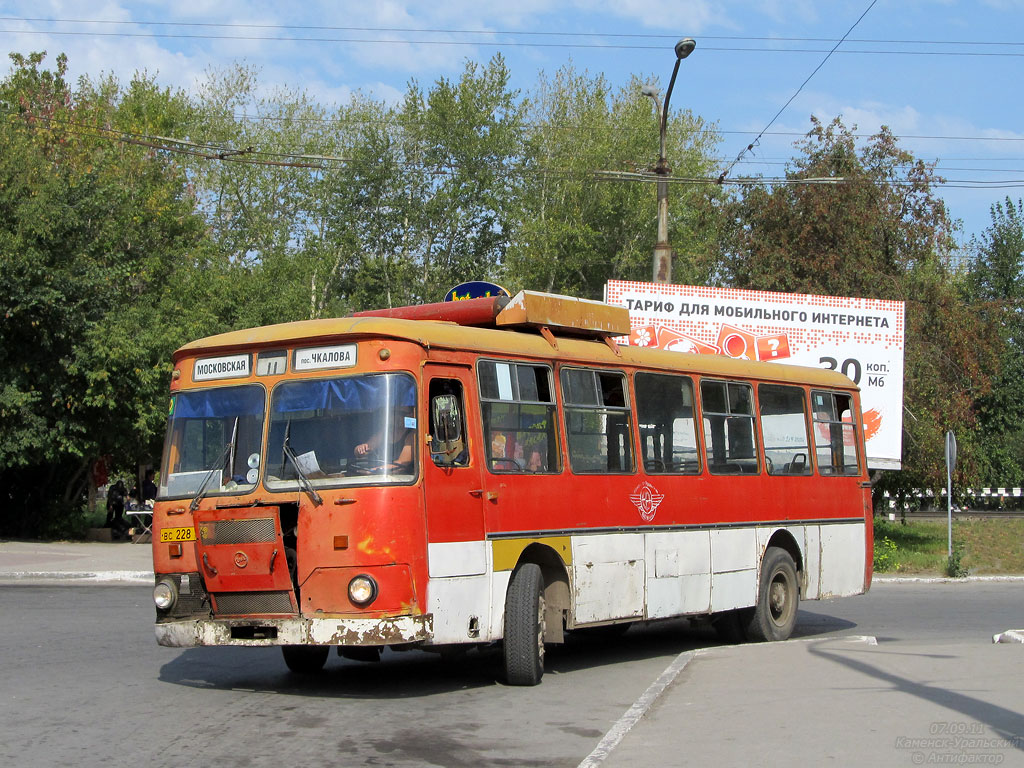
x=491 y=341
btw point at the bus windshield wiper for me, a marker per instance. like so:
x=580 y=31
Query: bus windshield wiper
x=227 y=453
x=303 y=480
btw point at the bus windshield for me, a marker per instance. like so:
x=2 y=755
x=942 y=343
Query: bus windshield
x=214 y=438
x=342 y=431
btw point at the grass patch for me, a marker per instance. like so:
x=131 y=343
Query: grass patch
x=919 y=548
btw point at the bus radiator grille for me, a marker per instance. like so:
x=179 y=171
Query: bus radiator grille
x=238 y=531
x=247 y=603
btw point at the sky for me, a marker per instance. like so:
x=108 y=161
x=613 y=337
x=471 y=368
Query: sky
x=944 y=75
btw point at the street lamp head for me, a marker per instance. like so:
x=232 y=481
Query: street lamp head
x=685 y=47
x=649 y=90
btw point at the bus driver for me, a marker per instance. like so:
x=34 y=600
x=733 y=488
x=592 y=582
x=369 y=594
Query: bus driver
x=401 y=441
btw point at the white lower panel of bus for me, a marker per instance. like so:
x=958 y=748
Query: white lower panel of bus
x=461 y=607
x=733 y=589
x=842 y=560
x=609 y=577
x=648 y=575
x=678 y=573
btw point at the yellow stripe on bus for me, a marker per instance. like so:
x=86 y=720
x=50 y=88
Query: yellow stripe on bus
x=507 y=551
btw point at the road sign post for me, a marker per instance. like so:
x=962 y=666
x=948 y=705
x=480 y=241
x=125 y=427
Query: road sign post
x=950 y=466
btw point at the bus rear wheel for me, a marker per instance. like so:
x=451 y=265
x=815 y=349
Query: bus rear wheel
x=524 y=626
x=305 y=659
x=778 y=596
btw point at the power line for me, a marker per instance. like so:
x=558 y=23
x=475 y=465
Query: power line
x=496 y=43
x=251 y=156
x=771 y=122
x=902 y=165
x=522 y=32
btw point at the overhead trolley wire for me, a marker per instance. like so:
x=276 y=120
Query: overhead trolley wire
x=507 y=32
x=771 y=122
x=251 y=156
x=496 y=43
x=485 y=42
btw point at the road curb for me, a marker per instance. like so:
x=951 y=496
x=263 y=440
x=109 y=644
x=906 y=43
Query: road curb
x=940 y=579
x=85 y=577
x=635 y=713
x=1009 y=636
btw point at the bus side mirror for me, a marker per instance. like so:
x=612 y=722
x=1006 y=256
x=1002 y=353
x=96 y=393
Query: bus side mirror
x=446 y=444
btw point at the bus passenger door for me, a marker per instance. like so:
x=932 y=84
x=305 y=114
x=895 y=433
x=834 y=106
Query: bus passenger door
x=458 y=593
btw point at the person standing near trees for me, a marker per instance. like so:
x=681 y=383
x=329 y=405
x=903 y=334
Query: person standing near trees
x=115 y=509
x=148 y=488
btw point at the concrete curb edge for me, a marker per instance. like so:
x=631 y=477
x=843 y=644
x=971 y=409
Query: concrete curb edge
x=93 y=577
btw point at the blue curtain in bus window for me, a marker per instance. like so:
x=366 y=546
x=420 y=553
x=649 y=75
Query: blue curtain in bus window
x=349 y=394
x=219 y=403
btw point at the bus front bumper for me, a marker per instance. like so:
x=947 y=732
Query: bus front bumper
x=398 y=630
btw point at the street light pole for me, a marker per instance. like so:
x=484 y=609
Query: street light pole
x=662 y=268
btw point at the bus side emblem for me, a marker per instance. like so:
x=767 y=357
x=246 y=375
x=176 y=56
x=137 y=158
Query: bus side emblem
x=646 y=499
x=241 y=559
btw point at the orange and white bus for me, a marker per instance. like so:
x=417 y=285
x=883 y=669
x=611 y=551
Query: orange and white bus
x=495 y=470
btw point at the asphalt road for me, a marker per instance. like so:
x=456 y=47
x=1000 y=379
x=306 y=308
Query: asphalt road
x=83 y=683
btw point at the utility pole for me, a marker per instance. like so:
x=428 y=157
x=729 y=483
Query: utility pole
x=662 y=268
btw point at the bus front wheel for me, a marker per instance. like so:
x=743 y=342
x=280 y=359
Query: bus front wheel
x=524 y=626
x=305 y=659
x=778 y=596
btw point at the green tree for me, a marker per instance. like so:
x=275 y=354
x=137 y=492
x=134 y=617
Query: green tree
x=444 y=218
x=866 y=222
x=93 y=237
x=996 y=286
x=365 y=206
x=575 y=230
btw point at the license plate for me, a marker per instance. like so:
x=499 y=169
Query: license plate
x=178 y=534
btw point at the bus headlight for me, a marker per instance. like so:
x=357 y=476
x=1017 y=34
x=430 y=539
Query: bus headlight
x=362 y=590
x=165 y=594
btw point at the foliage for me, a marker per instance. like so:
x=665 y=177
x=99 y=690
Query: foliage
x=115 y=250
x=995 y=284
x=93 y=241
x=390 y=205
x=955 y=567
x=574 y=231
x=980 y=545
x=885 y=555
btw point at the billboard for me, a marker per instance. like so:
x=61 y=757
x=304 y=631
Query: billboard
x=862 y=338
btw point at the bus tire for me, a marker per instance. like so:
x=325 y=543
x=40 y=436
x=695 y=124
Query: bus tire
x=305 y=659
x=774 y=615
x=524 y=626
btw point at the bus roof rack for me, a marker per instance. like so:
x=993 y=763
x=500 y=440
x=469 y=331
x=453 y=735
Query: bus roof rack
x=525 y=310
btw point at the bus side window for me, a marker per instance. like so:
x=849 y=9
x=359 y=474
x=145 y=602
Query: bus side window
x=783 y=412
x=518 y=410
x=598 y=421
x=665 y=416
x=447 y=424
x=729 y=427
x=835 y=440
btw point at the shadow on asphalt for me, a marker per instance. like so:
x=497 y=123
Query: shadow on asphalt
x=815 y=624
x=416 y=673
x=1004 y=722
